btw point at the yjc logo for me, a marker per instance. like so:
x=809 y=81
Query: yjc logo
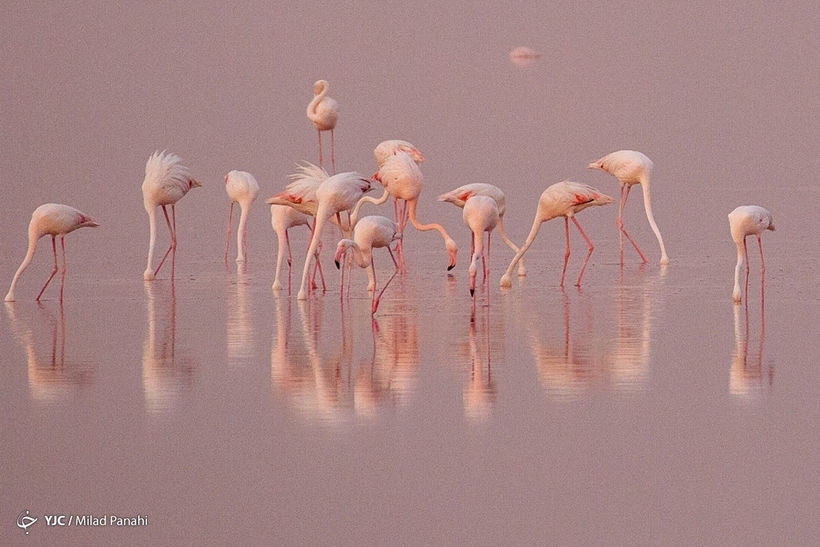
x=25 y=520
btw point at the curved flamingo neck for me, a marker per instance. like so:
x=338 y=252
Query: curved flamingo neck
x=317 y=99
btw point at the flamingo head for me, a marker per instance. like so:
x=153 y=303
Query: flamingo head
x=319 y=86
x=411 y=151
x=341 y=250
x=452 y=250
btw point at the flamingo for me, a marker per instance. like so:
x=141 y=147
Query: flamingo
x=744 y=221
x=461 y=194
x=385 y=149
x=481 y=214
x=283 y=218
x=371 y=232
x=334 y=195
x=242 y=188
x=630 y=168
x=402 y=179
x=52 y=219
x=563 y=199
x=324 y=112
x=166 y=182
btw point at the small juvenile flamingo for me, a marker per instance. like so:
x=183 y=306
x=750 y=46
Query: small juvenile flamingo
x=461 y=194
x=283 y=218
x=562 y=199
x=242 y=188
x=55 y=220
x=370 y=232
x=745 y=221
x=334 y=195
x=481 y=214
x=324 y=112
x=630 y=168
x=166 y=182
x=402 y=179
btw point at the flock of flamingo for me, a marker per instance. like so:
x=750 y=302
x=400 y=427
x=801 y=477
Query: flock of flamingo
x=313 y=198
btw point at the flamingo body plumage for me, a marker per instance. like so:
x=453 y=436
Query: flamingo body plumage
x=480 y=214
x=52 y=219
x=334 y=195
x=324 y=113
x=563 y=199
x=370 y=232
x=460 y=195
x=387 y=148
x=631 y=167
x=744 y=221
x=282 y=219
x=243 y=189
x=166 y=182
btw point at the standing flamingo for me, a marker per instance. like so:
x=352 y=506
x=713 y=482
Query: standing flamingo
x=166 y=182
x=55 y=220
x=745 y=221
x=563 y=199
x=334 y=195
x=370 y=232
x=242 y=188
x=630 y=168
x=402 y=179
x=324 y=112
x=461 y=194
x=481 y=214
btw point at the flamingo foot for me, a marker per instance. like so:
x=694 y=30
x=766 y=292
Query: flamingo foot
x=506 y=283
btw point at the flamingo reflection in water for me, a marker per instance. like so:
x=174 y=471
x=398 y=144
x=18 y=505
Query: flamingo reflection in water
x=748 y=377
x=240 y=332
x=51 y=376
x=166 y=371
x=480 y=392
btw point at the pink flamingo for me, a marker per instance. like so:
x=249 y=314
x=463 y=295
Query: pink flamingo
x=481 y=214
x=335 y=194
x=402 y=179
x=461 y=194
x=630 y=168
x=370 y=232
x=300 y=197
x=385 y=149
x=745 y=221
x=166 y=182
x=242 y=188
x=324 y=112
x=55 y=220
x=563 y=199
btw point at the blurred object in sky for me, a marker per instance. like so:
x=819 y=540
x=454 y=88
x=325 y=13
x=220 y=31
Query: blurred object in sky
x=523 y=56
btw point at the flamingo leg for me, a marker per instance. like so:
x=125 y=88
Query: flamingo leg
x=746 y=260
x=318 y=132
x=487 y=264
x=62 y=273
x=54 y=271
x=395 y=271
x=762 y=276
x=332 y=152
x=622 y=231
x=566 y=252
x=590 y=248
x=228 y=237
x=172 y=244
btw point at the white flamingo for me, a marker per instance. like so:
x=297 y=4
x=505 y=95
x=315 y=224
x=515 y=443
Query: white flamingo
x=748 y=220
x=242 y=188
x=480 y=215
x=324 y=112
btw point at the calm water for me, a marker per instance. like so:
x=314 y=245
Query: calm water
x=642 y=409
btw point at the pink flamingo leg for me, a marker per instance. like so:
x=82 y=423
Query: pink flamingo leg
x=590 y=248
x=762 y=279
x=622 y=232
x=395 y=271
x=566 y=252
x=228 y=237
x=54 y=271
x=320 y=146
x=290 y=259
x=746 y=260
x=332 y=152
x=171 y=246
x=62 y=274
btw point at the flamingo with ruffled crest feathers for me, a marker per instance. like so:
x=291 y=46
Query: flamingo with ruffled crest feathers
x=563 y=199
x=166 y=182
x=52 y=219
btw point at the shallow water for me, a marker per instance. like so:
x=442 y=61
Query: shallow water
x=642 y=409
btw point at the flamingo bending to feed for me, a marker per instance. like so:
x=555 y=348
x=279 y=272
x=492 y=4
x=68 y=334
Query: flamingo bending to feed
x=283 y=218
x=385 y=149
x=630 y=168
x=369 y=233
x=55 y=220
x=166 y=182
x=324 y=112
x=745 y=221
x=242 y=188
x=335 y=194
x=402 y=179
x=461 y=194
x=563 y=199
x=481 y=214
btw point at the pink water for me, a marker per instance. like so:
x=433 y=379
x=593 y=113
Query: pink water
x=642 y=409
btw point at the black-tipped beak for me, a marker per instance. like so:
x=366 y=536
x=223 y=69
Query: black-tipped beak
x=450 y=267
x=472 y=292
x=338 y=267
